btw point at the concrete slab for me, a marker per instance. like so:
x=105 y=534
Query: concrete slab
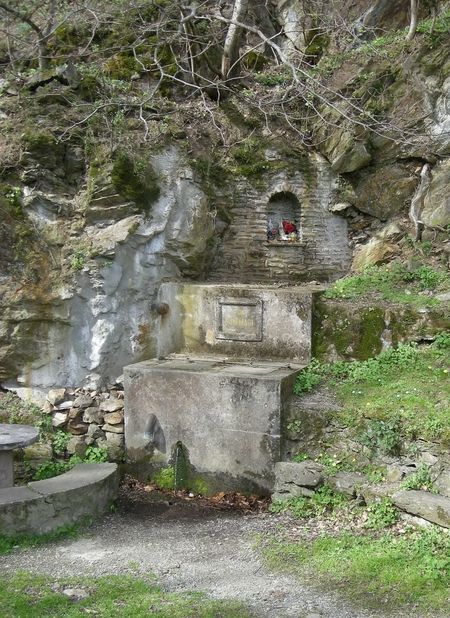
x=240 y=321
x=227 y=416
x=84 y=492
x=14 y=495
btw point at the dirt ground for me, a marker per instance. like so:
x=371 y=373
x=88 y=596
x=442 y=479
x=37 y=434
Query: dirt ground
x=187 y=545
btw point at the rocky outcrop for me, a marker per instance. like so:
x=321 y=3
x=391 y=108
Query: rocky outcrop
x=432 y=507
x=94 y=314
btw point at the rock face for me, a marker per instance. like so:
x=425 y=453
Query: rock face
x=101 y=319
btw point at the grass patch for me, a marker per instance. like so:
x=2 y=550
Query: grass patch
x=323 y=502
x=392 y=283
x=402 y=394
x=121 y=596
x=394 y=570
x=8 y=543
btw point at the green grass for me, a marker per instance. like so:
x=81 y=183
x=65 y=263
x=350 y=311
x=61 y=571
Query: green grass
x=322 y=503
x=123 y=596
x=390 y=570
x=8 y=543
x=402 y=394
x=392 y=283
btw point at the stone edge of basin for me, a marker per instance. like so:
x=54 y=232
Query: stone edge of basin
x=85 y=492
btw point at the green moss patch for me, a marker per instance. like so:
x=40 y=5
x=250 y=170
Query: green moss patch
x=135 y=179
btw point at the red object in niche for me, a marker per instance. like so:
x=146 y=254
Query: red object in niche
x=288 y=227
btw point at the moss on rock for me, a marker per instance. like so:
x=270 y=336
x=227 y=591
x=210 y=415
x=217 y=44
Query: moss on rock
x=135 y=179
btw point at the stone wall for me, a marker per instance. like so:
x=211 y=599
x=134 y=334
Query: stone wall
x=322 y=252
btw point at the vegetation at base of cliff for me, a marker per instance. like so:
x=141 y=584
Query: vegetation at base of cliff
x=400 y=396
x=322 y=503
x=115 y=596
x=392 y=571
x=16 y=410
x=395 y=283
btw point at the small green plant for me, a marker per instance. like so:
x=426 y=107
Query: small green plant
x=77 y=260
x=308 y=378
x=419 y=480
x=299 y=457
x=442 y=341
x=383 y=436
x=294 y=426
x=49 y=469
x=323 y=501
x=60 y=441
x=95 y=454
x=15 y=410
x=164 y=478
x=381 y=514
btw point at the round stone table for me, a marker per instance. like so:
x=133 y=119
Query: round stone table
x=11 y=437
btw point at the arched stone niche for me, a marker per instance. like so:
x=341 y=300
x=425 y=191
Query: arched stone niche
x=284 y=206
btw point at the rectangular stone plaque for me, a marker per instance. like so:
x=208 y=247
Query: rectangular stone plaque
x=239 y=319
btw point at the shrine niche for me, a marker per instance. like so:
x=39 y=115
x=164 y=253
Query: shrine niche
x=283 y=218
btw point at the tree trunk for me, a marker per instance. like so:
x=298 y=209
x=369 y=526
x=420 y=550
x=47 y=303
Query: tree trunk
x=413 y=19
x=230 y=58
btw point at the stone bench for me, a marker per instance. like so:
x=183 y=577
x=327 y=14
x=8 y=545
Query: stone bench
x=84 y=492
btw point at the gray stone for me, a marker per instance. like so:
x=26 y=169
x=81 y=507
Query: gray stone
x=348 y=483
x=113 y=418
x=113 y=428
x=76 y=446
x=432 y=507
x=94 y=431
x=442 y=483
x=59 y=419
x=111 y=405
x=292 y=491
x=76 y=594
x=436 y=205
x=92 y=415
x=76 y=428
x=394 y=473
x=47 y=407
x=349 y=155
x=83 y=401
x=65 y=405
x=115 y=439
x=17 y=436
x=56 y=396
x=303 y=474
x=6 y=469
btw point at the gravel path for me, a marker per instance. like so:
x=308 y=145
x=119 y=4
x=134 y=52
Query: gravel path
x=187 y=547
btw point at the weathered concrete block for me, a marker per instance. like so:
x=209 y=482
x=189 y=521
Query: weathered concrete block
x=85 y=491
x=241 y=321
x=432 y=507
x=227 y=415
